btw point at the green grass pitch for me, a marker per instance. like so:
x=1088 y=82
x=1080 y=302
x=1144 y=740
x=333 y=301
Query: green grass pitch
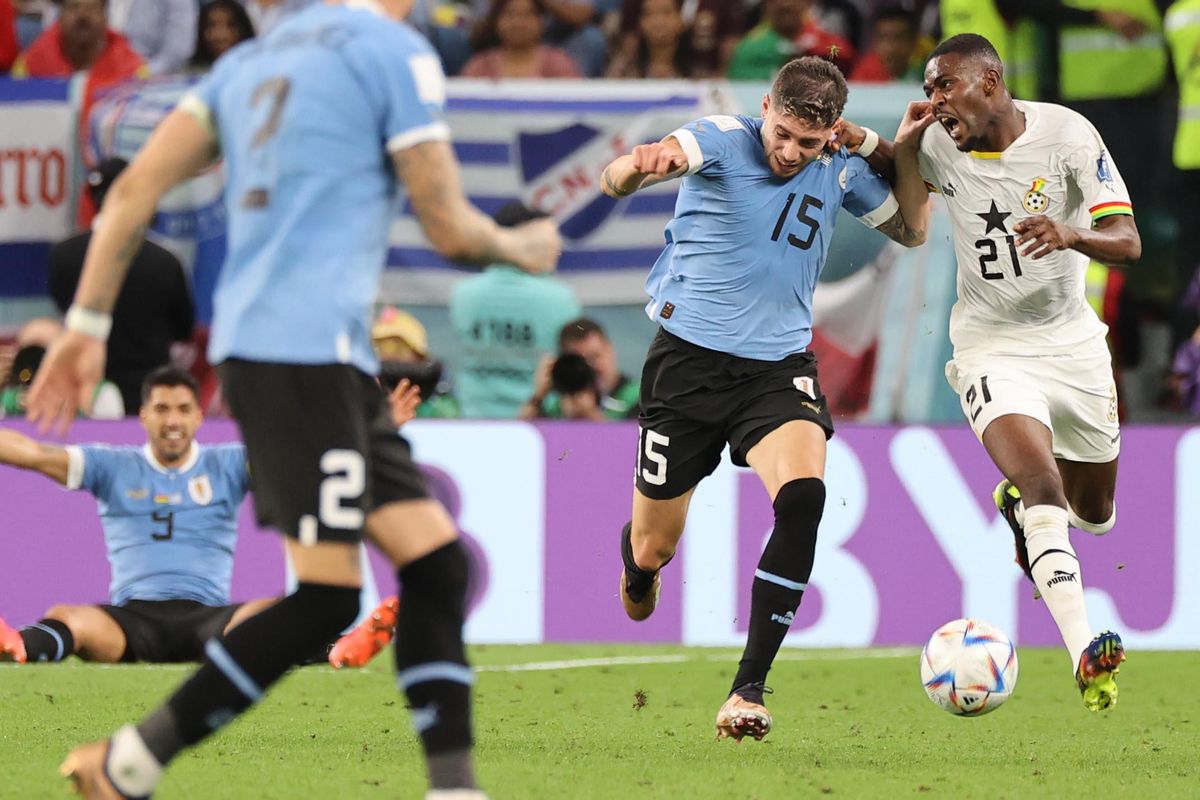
x=847 y=723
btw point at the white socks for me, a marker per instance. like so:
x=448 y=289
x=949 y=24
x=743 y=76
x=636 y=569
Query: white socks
x=1057 y=576
x=131 y=767
x=1075 y=521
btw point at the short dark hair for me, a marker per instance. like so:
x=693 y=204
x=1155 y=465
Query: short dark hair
x=169 y=376
x=577 y=330
x=970 y=45
x=896 y=14
x=811 y=89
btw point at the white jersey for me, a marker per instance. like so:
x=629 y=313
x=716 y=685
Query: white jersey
x=1059 y=167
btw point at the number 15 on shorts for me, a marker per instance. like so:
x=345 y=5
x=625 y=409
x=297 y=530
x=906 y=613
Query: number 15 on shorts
x=652 y=457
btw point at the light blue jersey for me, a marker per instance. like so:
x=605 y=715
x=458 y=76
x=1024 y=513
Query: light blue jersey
x=306 y=117
x=170 y=533
x=505 y=320
x=746 y=247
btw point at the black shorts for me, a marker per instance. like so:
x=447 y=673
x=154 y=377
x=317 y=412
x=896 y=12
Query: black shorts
x=167 y=631
x=322 y=447
x=694 y=400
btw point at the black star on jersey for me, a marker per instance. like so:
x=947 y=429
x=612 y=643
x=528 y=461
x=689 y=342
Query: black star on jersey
x=994 y=218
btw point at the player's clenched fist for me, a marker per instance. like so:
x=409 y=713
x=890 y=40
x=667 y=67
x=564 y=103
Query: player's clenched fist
x=917 y=117
x=1044 y=235
x=658 y=159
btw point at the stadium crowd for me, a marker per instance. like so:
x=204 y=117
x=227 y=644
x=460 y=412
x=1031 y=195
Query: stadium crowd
x=1132 y=67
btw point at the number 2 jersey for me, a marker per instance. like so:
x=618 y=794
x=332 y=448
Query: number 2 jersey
x=746 y=247
x=1009 y=303
x=170 y=532
x=306 y=117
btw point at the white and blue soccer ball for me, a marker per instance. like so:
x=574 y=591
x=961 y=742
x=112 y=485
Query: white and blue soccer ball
x=969 y=667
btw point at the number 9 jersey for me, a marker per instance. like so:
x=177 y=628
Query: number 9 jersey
x=1008 y=303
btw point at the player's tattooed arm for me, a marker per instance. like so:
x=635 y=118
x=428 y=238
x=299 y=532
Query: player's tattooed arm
x=898 y=230
x=457 y=229
x=18 y=450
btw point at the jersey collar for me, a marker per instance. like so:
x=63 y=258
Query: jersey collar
x=193 y=457
x=366 y=5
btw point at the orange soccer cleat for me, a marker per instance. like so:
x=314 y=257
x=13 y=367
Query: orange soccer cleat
x=12 y=646
x=360 y=645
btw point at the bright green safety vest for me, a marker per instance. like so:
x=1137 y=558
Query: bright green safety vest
x=1095 y=63
x=1182 y=27
x=1016 y=44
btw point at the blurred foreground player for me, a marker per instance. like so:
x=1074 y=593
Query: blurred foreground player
x=307 y=118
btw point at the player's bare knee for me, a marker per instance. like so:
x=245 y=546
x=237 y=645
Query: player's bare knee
x=63 y=613
x=1042 y=487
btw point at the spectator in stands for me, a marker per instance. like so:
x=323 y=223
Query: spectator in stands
x=788 y=30
x=162 y=31
x=505 y=321
x=711 y=32
x=222 y=25
x=266 y=14
x=80 y=40
x=660 y=47
x=8 y=35
x=402 y=346
x=617 y=393
x=508 y=44
x=894 y=41
x=442 y=23
x=154 y=307
x=29 y=348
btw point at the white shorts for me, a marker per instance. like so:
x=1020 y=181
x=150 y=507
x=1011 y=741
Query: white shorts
x=1072 y=395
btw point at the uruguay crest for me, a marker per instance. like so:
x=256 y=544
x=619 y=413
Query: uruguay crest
x=200 y=490
x=1036 y=202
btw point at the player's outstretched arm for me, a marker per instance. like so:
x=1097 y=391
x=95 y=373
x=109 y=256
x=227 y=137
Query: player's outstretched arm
x=180 y=147
x=18 y=450
x=1114 y=241
x=458 y=230
x=646 y=165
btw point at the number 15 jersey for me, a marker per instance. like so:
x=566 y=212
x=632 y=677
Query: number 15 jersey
x=1059 y=167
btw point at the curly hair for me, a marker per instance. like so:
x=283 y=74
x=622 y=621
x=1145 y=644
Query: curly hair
x=811 y=89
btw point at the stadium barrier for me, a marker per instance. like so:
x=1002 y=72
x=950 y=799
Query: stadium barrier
x=910 y=539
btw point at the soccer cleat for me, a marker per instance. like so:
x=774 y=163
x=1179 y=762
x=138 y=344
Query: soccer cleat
x=743 y=714
x=12 y=646
x=1006 y=497
x=84 y=768
x=638 y=611
x=1100 y=661
x=360 y=645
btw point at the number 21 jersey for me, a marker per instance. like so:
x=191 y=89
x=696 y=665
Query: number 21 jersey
x=1059 y=167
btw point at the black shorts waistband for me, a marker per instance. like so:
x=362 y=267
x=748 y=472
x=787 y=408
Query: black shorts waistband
x=680 y=343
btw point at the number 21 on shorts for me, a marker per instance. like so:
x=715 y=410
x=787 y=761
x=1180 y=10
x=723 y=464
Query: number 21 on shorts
x=982 y=394
x=652 y=460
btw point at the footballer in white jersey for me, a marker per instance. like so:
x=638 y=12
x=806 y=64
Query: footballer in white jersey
x=1026 y=341
x=1033 y=197
x=1058 y=167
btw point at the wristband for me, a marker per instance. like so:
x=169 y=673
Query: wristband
x=870 y=142
x=90 y=323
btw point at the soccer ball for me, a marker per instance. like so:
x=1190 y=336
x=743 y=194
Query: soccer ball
x=969 y=667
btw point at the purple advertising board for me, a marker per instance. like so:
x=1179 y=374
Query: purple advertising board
x=909 y=539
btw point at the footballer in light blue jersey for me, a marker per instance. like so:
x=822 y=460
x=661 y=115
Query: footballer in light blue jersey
x=170 y=532
x=733 y=294
x=169 y=512
x=318 y=121
x=304 y=116
x=746 y=247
